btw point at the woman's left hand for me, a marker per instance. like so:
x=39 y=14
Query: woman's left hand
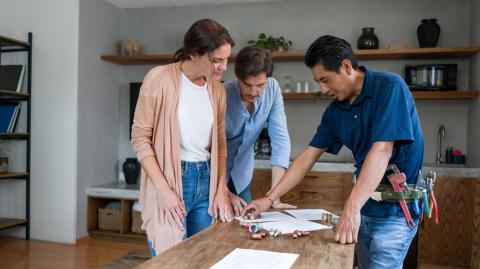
x=222 y=209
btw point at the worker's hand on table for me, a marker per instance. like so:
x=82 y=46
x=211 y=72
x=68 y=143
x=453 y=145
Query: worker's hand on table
x=171 y=208
x=347 y=226
x=237 y=203
x=222 y=209
x=277 y=204
x=256 y=207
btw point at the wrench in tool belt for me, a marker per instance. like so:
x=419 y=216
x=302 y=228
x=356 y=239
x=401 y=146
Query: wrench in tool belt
x=399 y=184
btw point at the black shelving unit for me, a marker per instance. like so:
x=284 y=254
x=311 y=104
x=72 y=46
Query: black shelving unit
x=10 y=45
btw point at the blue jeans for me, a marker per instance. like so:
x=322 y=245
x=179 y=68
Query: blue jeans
x=152 y=250
x=383 y=242
x=196 y=190
x=245 y=194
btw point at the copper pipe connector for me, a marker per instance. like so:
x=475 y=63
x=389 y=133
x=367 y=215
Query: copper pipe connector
x=256 y=236
x=264 y=233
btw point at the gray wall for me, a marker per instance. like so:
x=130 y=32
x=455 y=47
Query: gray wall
x=98 y=101
x=54 y=24
x=161 y=30
x=474 y=113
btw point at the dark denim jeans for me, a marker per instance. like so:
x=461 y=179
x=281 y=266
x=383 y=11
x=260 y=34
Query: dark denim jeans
x=245 y=194
x=196 y=190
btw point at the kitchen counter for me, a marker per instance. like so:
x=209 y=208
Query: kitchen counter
x=125 y=191
x=118 y=190
x=441 y=170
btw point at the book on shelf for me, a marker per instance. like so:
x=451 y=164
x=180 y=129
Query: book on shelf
x=8 y=117
x=14 y=120
x=11 y=77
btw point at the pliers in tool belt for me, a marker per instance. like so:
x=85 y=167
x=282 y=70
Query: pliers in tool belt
x=432 y=202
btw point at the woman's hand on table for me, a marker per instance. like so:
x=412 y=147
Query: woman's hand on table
x=222 y=209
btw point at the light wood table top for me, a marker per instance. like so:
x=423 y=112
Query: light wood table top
x=203 y=250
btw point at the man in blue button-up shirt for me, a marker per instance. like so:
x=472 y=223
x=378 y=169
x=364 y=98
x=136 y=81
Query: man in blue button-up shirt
x=253 y=100
x=374 y=115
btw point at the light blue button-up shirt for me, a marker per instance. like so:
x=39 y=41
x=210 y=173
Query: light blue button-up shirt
x=243 y=129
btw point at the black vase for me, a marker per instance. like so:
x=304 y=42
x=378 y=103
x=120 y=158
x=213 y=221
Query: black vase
x=428 y=33
x=131 y=170
x=368 y=40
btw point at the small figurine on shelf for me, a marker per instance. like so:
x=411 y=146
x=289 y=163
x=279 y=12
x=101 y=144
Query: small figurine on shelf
x=131 y=47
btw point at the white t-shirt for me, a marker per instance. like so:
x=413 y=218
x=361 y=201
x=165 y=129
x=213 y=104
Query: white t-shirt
x=195 y=114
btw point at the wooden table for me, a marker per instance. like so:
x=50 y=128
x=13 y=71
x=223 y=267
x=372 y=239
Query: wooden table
x=318 y=250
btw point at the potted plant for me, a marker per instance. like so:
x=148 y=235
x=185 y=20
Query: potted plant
x=271 y=43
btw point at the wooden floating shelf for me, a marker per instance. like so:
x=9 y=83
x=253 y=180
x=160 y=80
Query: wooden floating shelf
x=10 y=42
x=417 y=53
x=13 y=175
x=9 y=223
x=297 y=56
x=7 y=95
x=14 y=135
x=422 y=95
x=453 y=95
x=7 y=92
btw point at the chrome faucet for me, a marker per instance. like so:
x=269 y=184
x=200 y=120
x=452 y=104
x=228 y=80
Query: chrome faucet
x=440 y=135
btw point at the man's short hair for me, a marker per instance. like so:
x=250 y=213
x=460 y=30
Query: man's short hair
x=330 y=51
x=252 y=61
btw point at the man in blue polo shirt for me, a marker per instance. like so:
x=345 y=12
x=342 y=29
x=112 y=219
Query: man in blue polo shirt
x=373 y=115
x=253 y=100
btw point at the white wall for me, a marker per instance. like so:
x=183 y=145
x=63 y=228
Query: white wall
x=54 y=24
x=98 y=102
x=161 y=30
x=473 y=158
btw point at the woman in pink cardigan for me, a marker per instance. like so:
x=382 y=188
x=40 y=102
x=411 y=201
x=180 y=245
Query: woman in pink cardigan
x=178 y=134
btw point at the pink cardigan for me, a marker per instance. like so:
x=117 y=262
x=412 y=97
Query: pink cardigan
x=155 y=131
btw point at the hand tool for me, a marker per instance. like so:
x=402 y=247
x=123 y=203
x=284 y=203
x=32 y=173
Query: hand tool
x=399 y=184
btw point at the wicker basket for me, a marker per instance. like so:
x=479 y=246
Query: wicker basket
x=109 y=219
x=137 y=222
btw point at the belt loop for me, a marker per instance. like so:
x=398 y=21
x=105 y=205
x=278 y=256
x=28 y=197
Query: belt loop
x=207 y=162
x=197 y=164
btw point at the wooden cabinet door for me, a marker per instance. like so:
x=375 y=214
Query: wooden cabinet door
x=455 y=240
x=317 y=190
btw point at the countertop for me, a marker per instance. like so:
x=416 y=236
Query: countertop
x=115 y=190
x=131 y=192
x=441 y=170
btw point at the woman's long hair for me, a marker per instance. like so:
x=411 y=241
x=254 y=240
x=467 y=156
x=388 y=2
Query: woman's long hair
x=204 y=36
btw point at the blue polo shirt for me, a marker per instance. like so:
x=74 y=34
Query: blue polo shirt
x=384 y=111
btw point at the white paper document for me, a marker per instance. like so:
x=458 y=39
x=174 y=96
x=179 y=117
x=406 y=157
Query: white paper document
x=309 y=214
x=289 y=226
x=256 y=259
x=267 y=217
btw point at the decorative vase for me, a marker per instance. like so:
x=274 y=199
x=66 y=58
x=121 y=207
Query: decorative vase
x=368 y=40
x=131 y=170
x=428 y=33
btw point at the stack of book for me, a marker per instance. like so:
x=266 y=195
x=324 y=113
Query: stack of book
x=11 y=79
